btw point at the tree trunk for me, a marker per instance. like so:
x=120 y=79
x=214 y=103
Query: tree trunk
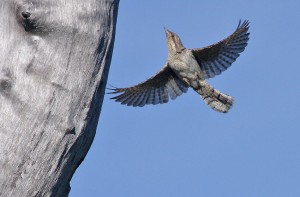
x=54 y=62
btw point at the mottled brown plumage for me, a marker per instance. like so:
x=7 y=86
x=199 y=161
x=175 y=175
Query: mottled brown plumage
x=189 y=68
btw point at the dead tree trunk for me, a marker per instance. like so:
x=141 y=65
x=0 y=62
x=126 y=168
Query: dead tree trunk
x=54 y=62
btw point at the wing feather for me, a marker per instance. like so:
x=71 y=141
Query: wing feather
x=155 y=90
x=216 y=58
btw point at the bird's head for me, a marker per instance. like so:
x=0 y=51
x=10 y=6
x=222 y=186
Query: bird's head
x=174 y=42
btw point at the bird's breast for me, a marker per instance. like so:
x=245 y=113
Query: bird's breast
x=185 y=66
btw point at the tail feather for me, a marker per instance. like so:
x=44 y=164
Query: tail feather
x=214 y=98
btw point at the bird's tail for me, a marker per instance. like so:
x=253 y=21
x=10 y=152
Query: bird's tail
x=214 y=98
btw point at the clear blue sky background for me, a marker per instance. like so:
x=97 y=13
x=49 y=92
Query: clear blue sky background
x=184 y=148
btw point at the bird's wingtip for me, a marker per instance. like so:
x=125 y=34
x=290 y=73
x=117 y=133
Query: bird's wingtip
x=112 y=89
x=244 y=24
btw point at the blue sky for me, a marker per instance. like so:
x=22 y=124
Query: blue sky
x=184 y=148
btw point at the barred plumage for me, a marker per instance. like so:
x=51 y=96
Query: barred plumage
x=156 y=90
x=214 y=98
x=189 y=68
x=216 y=58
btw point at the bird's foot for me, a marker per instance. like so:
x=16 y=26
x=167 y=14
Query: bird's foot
x=186 y=81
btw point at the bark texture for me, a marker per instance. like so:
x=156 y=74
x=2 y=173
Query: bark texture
x=54 y=62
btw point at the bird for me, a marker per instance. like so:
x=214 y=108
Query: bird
x=189 y=68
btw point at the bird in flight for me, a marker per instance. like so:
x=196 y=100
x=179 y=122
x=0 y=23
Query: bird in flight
x=189 y=68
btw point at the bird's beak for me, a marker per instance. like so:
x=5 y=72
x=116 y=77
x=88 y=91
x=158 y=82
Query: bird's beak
x=168 y=32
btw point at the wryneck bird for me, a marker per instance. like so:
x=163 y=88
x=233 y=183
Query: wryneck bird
x=189 y=68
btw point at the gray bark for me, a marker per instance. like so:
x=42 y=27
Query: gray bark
x=54 y=62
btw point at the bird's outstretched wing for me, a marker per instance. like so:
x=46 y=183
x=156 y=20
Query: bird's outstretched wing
x=216 y=58
x=155 y=90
